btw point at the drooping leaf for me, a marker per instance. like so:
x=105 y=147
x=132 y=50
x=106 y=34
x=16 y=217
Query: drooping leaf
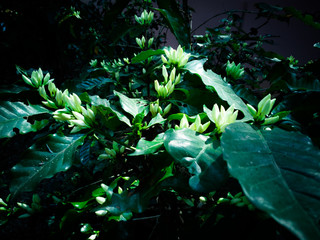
x=145 y=55
x=278 y=172
x=200 y=154
x=145 y=147
x=223 y=89
x=132 y=106
x=45 y=158
x=15 y=114
x=176 y=22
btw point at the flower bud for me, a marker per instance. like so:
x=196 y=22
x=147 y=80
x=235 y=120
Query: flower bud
x=52 y=88
x=46 y=79
x=167 y=109
x=42 y=92
x=101 y=200
x=27 y=80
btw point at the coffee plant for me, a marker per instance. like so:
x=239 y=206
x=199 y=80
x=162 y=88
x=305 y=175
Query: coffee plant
x=217 y=137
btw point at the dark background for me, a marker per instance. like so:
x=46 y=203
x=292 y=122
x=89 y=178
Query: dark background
x=295 y=38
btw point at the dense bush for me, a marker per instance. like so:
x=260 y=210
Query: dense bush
x=217 y=137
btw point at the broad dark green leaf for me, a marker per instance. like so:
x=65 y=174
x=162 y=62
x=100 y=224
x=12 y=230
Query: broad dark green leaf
x=45 y=158
x=223 y=89
x=15 y=115
x=145 y=147
x=145 y=55
x=200 y=154
x=278 y=172
x=132 y=106
x=304 y=84
x=176 y=22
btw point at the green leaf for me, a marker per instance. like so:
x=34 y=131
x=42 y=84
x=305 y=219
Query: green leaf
x=15 y=114
x=101 y=102
x=278 y=172
x=223 y=89
x=132 y=106
x=158 y=119
x=145 y=147
x=45 y=158
x=304 y=84
x=146 y=54
x=176 y=22
x=200 y=154
x=306 y=18
x=92 y=83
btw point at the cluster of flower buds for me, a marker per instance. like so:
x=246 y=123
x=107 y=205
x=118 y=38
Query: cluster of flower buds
x=177 y=57
x=234 y=71
x=69 y=106
x=238 y=200
x=145 y=18
x=196 y=126
x=112 y=153
x=109 y=191
x=78 y=116
x=264 y=109
x=155 y=108
x=37 y=78
x=169 y=83
x=222 y=118
x=57 y=97
x=142 y=42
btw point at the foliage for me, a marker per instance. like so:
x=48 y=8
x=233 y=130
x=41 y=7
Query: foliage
x=149 y=131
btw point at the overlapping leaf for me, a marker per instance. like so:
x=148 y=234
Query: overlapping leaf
x=279 y=173
x=15 y=114
x=223 y=89
x=200 y=154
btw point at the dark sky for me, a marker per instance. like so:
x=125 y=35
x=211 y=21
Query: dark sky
x=295 y=39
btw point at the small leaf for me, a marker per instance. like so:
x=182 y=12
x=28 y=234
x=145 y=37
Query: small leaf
x=145 y=147
x=132 y=106
x=145 y=55
x=158 y=119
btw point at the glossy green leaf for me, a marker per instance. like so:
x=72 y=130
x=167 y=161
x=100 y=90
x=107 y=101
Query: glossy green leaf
x=45 y=158
x=15 y=114
x=200 y=154
x=278 y=172
x=223 y=89
x=158 y=119
x=146 y=54
x=132 y=106
x=145 y=147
